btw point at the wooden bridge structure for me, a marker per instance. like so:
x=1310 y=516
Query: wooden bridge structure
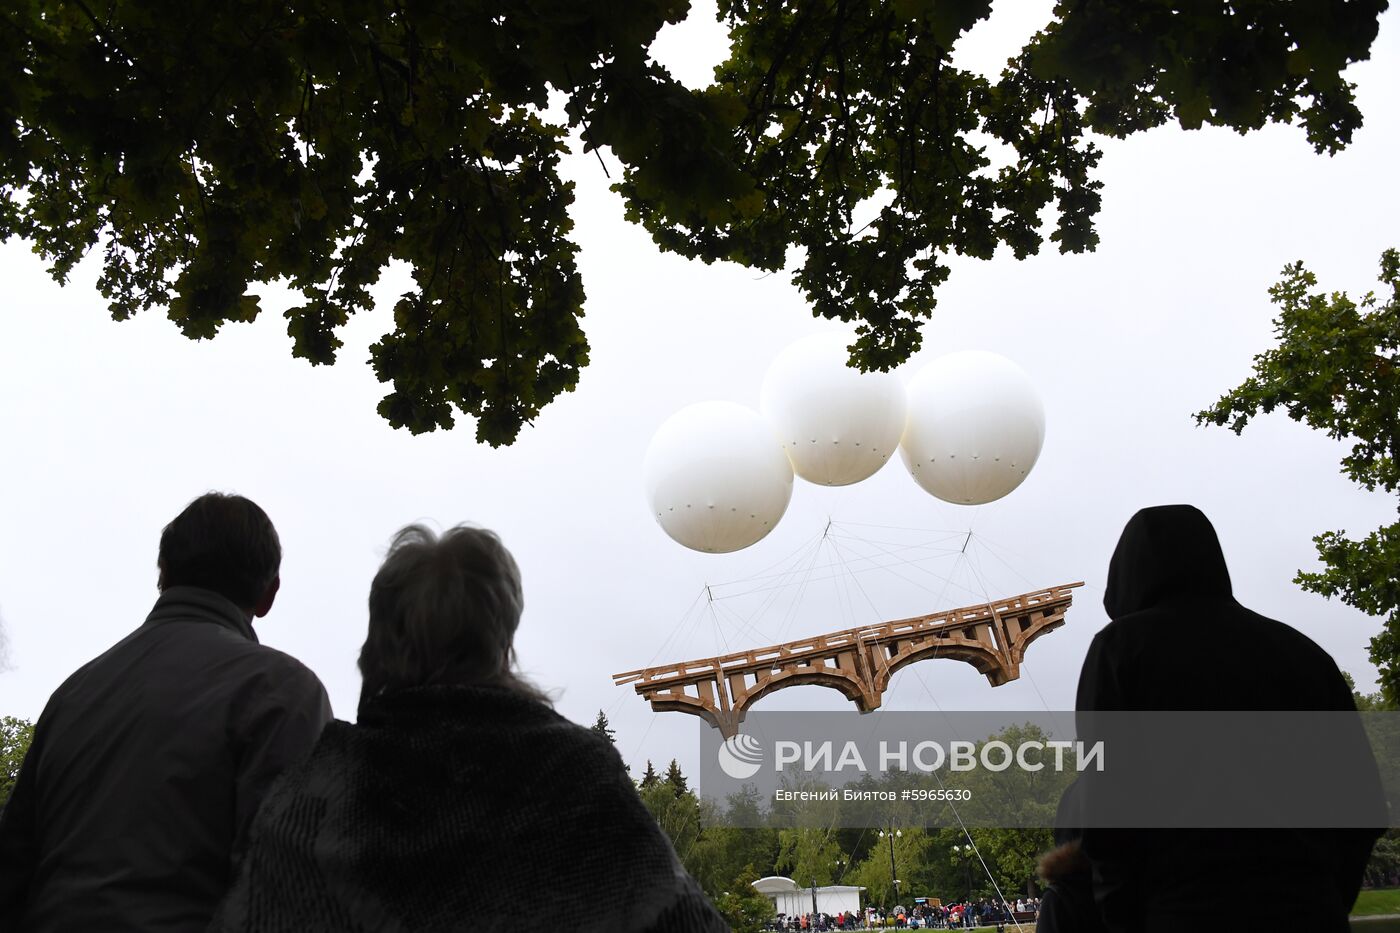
x=859 y=662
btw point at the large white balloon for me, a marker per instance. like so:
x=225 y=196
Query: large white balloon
x=976 y=426
x=837 y=424
x=716 y=478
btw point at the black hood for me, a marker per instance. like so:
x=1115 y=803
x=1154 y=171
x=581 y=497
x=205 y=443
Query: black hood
x=1168 y=552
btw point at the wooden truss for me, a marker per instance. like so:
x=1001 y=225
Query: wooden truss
x=859 y=662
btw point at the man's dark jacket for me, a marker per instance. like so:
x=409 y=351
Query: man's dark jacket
x=1178 y=641
x=145 y=771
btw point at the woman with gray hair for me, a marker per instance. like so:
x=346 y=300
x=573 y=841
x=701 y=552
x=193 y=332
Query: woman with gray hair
x=460 y=799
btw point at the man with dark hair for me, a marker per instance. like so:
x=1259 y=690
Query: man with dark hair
x=148 y=763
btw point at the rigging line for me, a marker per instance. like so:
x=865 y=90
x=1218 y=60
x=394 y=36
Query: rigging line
x=795 y=556
x=987 y=549
x=675 y=631
x=927 y=552
x=922 y=683
x=976 y=575
x=720 y=640
x=683 y=633
x=764 y=606
x=875 y=610
x=976 y=511
x=743 y=624
x=997 y=545
x=901 y=527
x=1025 y=668
x=940 y=534
x=978 y=852
x=786 y=623
x=947 y=581
x=769 y=601
x=910 y=667
x=795 y=604
x=867 y=596
x=929 y=693
x=850 y=857
x=645 y=732
x=899 y=546
x=952 y=530
x=896 y=548
x=818 y=567
x=843 y=593
x=925 y=530
x=699 y=830
x=883 y=548
x=872 y=726
x=850 y=579
x=903 y=545
x=972 y=842
x=874 y=566
x=810 y=556
x=690 y=632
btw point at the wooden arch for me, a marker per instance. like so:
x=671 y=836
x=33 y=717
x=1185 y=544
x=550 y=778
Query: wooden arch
x=992 y=637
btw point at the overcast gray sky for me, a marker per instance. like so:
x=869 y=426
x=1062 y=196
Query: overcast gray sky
x=109 y=429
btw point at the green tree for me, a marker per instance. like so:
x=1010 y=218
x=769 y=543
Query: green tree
x=15 y=736
x=1012 y=856
x=204 y=148
x=1369 y=702
x=1383 y=867
x=1336 y=368
x=678 y=815
x=743 y=908
x=808 y=855
x=649 y=777
x=725 y=852
x=912 y=847
x=675 y=780
x=600 y=726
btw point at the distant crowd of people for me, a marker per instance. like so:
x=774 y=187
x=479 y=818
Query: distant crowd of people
x=963 y=914
x=190 y=778
x=958 y=915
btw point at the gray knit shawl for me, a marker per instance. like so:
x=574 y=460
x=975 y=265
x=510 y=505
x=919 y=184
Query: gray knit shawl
x=460 y=808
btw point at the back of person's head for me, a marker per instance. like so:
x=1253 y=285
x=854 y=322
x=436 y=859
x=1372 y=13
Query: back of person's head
x=224 y=543
x=1166 y=552
x=444 y=610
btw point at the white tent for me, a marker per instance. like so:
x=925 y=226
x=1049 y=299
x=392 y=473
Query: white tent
x=792 y=900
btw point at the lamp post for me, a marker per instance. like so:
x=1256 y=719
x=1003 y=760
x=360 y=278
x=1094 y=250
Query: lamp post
x=965 y=853
x=893 y=880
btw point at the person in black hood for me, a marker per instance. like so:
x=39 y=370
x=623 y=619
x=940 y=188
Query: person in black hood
x=1179 y=641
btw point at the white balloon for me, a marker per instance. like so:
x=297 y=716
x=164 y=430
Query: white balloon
x=837 y=424
x=976 y=426
x=716 y=478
